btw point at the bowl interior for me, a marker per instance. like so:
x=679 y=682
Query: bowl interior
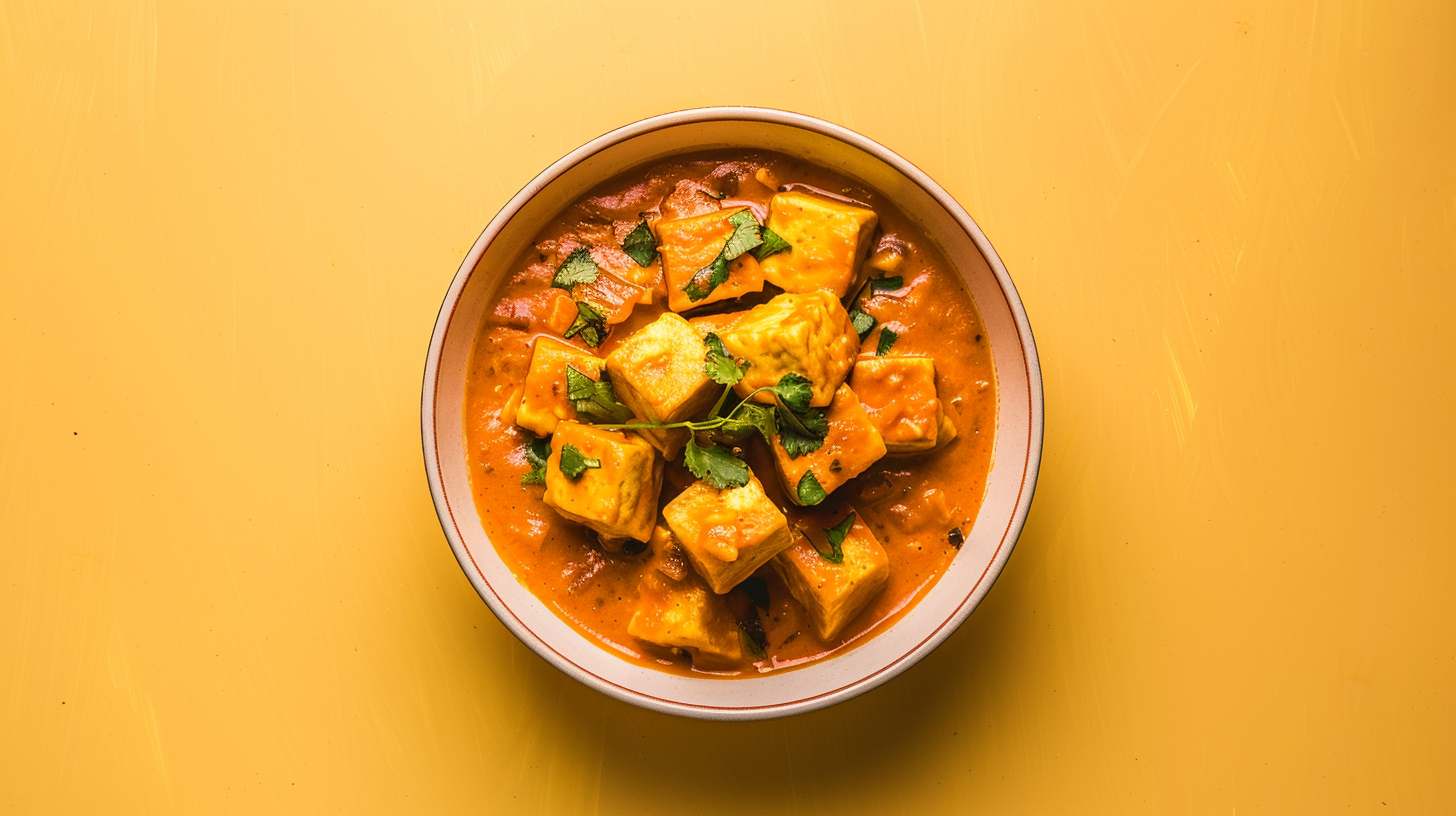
x=1009 y=484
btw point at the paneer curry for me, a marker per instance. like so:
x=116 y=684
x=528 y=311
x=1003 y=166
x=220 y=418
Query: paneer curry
x=729 y=414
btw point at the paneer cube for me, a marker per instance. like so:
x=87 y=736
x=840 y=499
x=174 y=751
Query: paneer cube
x=648 y=277
x=676 y=610
x=688 y=245
x=898 y=394
x=833 y=594
x=558 y=312
x=543 y=395
x=550 y=310
x=727 y=534
x=658 y=373
x=614 y=297
x=808 y=334
x=851 y=446
x=828 y=241
x=617 y=499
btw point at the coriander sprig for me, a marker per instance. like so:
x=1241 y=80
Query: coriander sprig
x=800 y=428
x=746 y=235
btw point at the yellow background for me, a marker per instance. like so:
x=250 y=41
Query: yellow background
x=225 y=230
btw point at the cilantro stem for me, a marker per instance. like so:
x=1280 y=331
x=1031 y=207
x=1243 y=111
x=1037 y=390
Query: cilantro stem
x=713 y=421
x=722 y=398
x=705 y=425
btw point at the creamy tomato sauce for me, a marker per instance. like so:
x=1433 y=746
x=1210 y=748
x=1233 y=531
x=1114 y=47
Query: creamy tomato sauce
x=918 y=506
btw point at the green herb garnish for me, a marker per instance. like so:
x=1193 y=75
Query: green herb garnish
x=879 y=285
x=801 y=429
x=595 y=399
x=836 y=535
x=745 y=236
x=793 y=395
x=574 y=462
x=589 y=323
x=810 y=491
x=537 y=451
x=863 y=323
x=773 y=243
x=793 y=391
x=803 y=432
x=714 y=465
x=640 y=244
x=887 y=339
x=577 y=268
x=701 y=285
x=719 y=365
x=747 y=418
x=750 y=624
x=750 y=643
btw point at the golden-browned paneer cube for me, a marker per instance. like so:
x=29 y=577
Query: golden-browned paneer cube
x=658 y=373
x=899 y=395
x=558 y=311
x=808 y=334
x=618 y=498
x=543 y=396
x=833 y=594
x=614 y=297
x=827 y=239
x=688 y=245
x=648 y=277
x=676 y=610
x=727 y=534
x=851 y=445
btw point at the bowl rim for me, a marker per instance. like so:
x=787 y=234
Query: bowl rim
x=774 y=116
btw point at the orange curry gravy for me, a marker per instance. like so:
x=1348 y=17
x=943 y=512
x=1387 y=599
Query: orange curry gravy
x=912 y=503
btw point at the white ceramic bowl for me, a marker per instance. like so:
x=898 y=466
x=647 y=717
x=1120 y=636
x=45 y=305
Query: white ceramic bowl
x=1009 y=485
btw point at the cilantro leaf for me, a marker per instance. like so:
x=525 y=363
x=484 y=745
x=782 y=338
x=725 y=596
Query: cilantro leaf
x=838 y=532
x=810 y=491
x=801 y=429
x=574 y=462
x=717 y=275
x=640 y=244
x=750 y=642
x=803 y=432
x=887 y=339
x=720 y=365
x=577 y=268
x=715 y=344
x=537 y=450
x=746 y=235
x=793 y=391
x=863 y=323
x=879 y=285
x=595 y=399
x=714 y=465
x=836 y=536
x=747 y=418
x=773 y=243
x=589 y=323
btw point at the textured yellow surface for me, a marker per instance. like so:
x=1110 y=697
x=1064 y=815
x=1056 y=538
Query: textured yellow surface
x=225 y=230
